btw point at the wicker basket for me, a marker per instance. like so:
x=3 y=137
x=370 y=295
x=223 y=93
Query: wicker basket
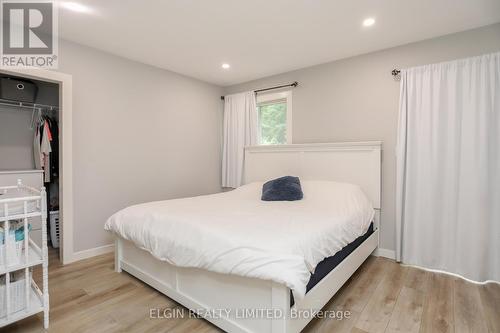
x=54 y=228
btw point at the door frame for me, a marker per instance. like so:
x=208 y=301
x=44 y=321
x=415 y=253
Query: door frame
x=65 y=82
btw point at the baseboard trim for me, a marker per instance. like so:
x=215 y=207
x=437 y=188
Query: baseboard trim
x=386 y=253
x=96 y=251
x=450 y=274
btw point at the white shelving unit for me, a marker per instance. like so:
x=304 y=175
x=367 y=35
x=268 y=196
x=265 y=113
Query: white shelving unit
x=18 y=203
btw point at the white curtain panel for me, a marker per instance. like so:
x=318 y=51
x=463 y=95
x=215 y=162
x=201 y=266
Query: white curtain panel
x=448 y=167
x=240 y=130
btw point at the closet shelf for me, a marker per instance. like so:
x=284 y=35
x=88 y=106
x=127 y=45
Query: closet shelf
x=27 y=105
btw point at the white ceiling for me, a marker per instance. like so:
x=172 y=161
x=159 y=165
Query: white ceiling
x=262 y=37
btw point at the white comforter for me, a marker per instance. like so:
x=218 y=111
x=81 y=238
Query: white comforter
x=237 y=233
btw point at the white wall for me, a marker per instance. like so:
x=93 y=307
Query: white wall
x=140 y=133
x=357 y=99
x=16 y=139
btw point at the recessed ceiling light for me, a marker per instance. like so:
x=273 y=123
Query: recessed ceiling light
x=369 y=22
x=226 y=66
x=76 y=7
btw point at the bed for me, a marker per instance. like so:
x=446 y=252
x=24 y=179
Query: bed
x=232 y=251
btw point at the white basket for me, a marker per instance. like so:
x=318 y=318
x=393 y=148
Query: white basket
x=14 y=253
x=17 y=296
x=54 y=228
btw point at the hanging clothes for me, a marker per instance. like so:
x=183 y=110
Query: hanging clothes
x=54 y=143
x=46 y=149
x=37 y=154
x=46 y=152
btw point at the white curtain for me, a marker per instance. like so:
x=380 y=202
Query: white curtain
x=240 y=130
x=448 y=167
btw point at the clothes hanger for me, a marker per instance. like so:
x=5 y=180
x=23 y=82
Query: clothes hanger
x=39 y=117
x=33 y=120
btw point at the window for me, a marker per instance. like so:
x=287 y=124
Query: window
x=275 y=118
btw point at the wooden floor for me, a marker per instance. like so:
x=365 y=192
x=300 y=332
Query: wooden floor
x=382 y=296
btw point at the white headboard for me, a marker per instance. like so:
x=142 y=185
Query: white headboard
x=352 y=162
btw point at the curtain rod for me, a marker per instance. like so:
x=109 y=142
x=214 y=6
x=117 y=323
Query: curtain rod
x=293 y=84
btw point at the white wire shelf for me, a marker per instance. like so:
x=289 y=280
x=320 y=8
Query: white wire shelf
x=34 y=258
x=17 y=204
x=35 y=306
x=15 y=197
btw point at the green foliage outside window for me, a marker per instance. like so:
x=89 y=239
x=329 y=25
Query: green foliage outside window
x=272 y=122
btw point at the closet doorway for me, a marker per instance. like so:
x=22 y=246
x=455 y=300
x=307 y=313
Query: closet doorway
x=36 y=106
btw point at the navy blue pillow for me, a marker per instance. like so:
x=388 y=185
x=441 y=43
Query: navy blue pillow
x=282 y=189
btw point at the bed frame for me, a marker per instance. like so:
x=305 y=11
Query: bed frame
x=201 y=290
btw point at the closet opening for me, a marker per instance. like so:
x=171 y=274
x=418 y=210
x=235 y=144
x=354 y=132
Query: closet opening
x=30 y=146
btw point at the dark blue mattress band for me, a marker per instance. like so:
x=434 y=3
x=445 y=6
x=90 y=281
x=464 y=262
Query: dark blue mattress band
x=328 y=264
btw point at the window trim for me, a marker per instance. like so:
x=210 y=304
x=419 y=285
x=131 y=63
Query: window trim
x=282 y=95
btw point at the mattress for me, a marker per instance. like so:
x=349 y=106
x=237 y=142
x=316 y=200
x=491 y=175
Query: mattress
x=237 y=233
x=328 y=264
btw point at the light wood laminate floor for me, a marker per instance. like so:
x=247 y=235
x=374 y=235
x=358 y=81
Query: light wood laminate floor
x=382 y=296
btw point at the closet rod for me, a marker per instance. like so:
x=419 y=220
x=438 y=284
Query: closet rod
x=293 y=84
x=26 y=105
